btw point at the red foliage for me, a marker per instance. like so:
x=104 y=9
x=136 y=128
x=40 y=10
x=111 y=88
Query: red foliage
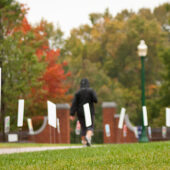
x=54 y=77
x=53 y=86
x=25 y=27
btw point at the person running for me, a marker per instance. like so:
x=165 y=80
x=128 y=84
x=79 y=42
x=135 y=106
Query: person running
x=83 y=96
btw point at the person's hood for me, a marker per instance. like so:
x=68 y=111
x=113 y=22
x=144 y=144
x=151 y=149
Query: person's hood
x=84 y=83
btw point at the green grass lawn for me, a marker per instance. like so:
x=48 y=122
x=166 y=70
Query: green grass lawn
x=116 y=156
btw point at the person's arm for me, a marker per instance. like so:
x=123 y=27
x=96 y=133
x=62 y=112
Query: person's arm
x=94 y=96
x=73 y=108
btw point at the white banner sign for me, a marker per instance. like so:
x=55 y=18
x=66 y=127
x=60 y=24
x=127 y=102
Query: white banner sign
x=52 y=115
x=30 y=127
x=7 y=124
x=20 y=112
x=124 y=130
x=145 y=117
x=87 y=115
x=149 y=132
x=168 y=117
x=0 y=88
x=121 y=118
x=12 y=138
x=107 y=130
x=58 y=125
x=164 y=131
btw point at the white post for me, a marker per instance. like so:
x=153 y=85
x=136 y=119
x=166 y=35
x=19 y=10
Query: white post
x=52 y=115
x=20 y=112
x=7 y=124
x=122 y=115
x=149 y=132
x=0 y=92
x=58 y=125
x=168 y=117
x=30 y=126
x=145 y=117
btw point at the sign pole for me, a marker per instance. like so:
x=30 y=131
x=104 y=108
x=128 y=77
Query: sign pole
x=50 y=136
x=54 y=135
x=20 y=134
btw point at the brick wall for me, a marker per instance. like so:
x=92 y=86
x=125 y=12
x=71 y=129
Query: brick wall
x=50 y=134
x=111 y=118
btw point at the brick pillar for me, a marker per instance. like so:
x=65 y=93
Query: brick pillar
x=63 y=115
x=109 y=110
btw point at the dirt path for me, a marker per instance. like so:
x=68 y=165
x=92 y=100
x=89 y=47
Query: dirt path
x=34 y=149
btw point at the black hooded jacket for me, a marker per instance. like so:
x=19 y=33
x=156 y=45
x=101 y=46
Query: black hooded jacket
x=84 y=95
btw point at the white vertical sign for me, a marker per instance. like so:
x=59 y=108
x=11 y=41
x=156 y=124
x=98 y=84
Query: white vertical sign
x=145 y=117
x=107 y=130
x=164 y=131
x=58 y=125
x=87 y=115
x=168 y=117
x=12 y=137
x=0 y=90
x=149 y=132
x=20 y=112
x=30 y=127
x=52 y=116
x=122 y=115
x=124 y=130
x=7 y=124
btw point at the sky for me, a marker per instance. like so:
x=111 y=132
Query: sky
x=69 y=14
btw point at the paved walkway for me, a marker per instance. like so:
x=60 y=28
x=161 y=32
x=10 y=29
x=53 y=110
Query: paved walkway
x=34 y=149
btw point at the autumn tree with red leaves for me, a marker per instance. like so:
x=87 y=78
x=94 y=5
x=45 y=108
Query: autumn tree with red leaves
x=54 y=86
x=31 y=69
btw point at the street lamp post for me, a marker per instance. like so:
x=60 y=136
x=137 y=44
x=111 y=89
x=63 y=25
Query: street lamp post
x=142 y=52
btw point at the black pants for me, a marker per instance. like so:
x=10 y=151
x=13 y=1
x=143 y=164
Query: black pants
x=84 y=129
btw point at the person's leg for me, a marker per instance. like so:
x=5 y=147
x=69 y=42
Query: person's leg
x=89 y=132
x=88 y=136
x=83 y=140
x=83 y=133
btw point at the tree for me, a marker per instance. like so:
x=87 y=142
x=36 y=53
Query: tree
x=162 y=101
x=21 y=68
x=110 y=44
x=10 y=15
x=54 y=86
x=30 y=67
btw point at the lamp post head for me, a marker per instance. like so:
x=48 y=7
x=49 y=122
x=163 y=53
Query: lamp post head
x=142 y=49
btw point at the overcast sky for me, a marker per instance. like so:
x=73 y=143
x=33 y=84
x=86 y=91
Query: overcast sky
x=70 y=14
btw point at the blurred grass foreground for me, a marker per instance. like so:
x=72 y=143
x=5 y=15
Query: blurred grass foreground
x=155 y=155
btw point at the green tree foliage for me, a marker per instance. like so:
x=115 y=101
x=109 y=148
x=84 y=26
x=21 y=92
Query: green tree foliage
x=20 y=65
x=104 y=51
x=162 y=14
x=9 y=16
x=109 y=44
x=162 y=101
